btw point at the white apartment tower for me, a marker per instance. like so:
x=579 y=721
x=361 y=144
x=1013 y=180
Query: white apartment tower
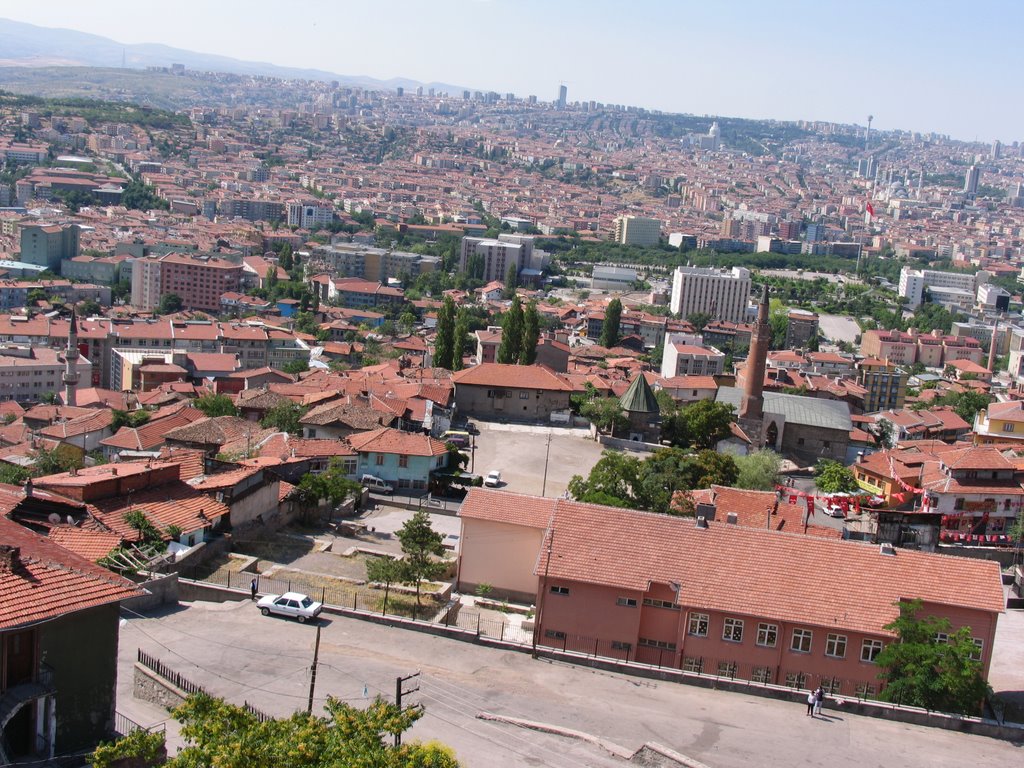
x=720 y=293
x=496 y=255
x=637 y=230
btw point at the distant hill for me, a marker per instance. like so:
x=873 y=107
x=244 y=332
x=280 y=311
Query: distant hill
x=28 y=45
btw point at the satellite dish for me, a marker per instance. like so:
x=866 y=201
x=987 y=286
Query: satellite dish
x=54 y=518
x=71 y=520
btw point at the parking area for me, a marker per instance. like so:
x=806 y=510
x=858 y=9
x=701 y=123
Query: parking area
x=234 y=652
x=521 y=451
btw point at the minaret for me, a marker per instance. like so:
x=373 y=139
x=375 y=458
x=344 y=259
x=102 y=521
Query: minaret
x=992 y=347
x=71 y=362
x=752 y=405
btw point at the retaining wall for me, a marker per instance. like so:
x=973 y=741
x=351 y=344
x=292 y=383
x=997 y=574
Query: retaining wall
x=149 y=686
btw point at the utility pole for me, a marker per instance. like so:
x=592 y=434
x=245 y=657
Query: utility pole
x=399 y=681
x=312 y=672
x=543 y=591
x=547 y=453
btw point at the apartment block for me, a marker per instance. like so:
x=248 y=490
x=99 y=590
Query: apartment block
x=684 y=355
x=720 y=293
x=28 y=373
x=496 y=255
x=200 y=281
x=637 y=230
x=309 y=215
x=914 y=282
x=48 y=244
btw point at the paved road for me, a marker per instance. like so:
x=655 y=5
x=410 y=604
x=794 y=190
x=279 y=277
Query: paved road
x=241 y=655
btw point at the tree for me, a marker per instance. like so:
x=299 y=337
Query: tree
x=883 y=433
x=139 y=522
x=331 y=485
x=12 y=474
x=779 y=325
x=305 y=322
x=461 y=340
x=922 y=669
x=406 y=321
x=227 y=736
x=169 y=304
x=511 y=280
x=421 y=544
x=698 y=320
x=606 y=413
x=511 y=334
x=386 y=571
x=284 y=417
x=610 y=327
x=969 y=403
x=284 y=259
x=444 y=341
x=216 y=405
x=758 y=471
x=89 y=308
x=271 y=277
x=531 y=335
x=131 y=419
x=297 y=366
x=832 y=477
x=54 y=461
x=706 y=422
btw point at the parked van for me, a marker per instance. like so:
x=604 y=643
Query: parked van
x=457 y=438
x=375 y=484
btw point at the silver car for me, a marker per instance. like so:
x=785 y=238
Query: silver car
x=294 y=604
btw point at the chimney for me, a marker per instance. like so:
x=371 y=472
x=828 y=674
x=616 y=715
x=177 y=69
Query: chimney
x=113 y=471
x=28 y=487
x=706 y=511
x=9 y=558
x=702 y=522
x=732 y=518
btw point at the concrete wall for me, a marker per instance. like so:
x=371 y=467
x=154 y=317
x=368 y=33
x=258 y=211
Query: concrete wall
x=161 y=589
x=262 y=501
x=501 y=555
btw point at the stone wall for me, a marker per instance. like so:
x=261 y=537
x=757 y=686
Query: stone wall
x=161 y=589
x=149 y=686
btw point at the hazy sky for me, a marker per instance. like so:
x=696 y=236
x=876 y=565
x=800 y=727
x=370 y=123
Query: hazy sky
x=950 y=66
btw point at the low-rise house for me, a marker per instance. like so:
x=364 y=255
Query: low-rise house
x=228 y=435
x=493 y=390
x=713 y=597
x=57 y=693
x=1000 y=423
x=402 y=459
x=341 y=418
x=940 y=423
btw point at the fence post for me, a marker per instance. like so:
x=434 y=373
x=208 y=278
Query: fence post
x=323 y=595
x=501 y=636
x=229 y=579
x=661 y=652
x=478 y=625
x=355 y=601
x=595 y=647
x=565 y=639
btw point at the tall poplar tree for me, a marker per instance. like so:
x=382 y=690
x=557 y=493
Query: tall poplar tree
x=511 y=280
x=511 y=334
x=461 y=339
x=531 y=335
x=444 y=342
x=610 y=329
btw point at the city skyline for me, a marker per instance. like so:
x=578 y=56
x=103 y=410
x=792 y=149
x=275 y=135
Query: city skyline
x=747 y=60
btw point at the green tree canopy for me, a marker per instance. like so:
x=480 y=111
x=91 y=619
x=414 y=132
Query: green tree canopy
x=461 y=340
x=610 y=327
x=444 y=341
x=832 y=477
x=421 y=545
x=531 y=335
x=930 y=665
x=511 y=280
x=216 y=405
x=284 y=417
x=511 y=334
x=128 y=419
x=169 y=304
x=698 y=320
x=700 y=424
x=606 y=413
x=758 y=471
x=227 y=736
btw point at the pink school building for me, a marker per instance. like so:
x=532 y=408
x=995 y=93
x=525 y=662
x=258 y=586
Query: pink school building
x=748 y=603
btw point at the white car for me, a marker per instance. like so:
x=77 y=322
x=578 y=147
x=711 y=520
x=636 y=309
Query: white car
x=299 y=606
x=493 y=479
x=376 y=485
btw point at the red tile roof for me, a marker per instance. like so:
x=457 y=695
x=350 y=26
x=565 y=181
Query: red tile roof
x=50 y=581
x=386 y=440
x=515 y=376
x=92 y=545
x=505 y=507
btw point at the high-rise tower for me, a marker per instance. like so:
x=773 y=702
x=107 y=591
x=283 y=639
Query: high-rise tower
x=71 y=363
x=563 y=93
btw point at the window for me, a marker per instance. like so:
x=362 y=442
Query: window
x=795 y=679
x=979 y=645
x=958 y=504
x=832 y=685
x=869 y=649
x=761 y=675
x=660 y=604
x=628 y=602
x=524 y=395
x=698 y=625
x=663 y=644
x=767 y=635
x=557 y=590
x=403 y=461
x=618 y=645
x=727 y=669
x=380 y=460
x=693 y=664
x=941 y=638
x=835 y=645
x=733 y=630
x=801 y=642
x=554 y=634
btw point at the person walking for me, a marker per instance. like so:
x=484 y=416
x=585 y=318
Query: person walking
x=252 y=586
x=819 y=697
x=811 y=698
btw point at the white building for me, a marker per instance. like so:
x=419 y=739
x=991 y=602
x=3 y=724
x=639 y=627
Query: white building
x=637 y=230
x=612 y=278
x=497 y=255
x=28 y=373
x=720 y=293
x=913 y=283
x=309 y=215
x=685 y=355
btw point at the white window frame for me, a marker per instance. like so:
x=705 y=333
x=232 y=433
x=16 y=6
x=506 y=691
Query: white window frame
x=732 y=630
x=767 y=635
x=869 y=650
x=835 y=646
x=802 y=635
x=694 y=622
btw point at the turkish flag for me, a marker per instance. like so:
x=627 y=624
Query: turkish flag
x=870 y=209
